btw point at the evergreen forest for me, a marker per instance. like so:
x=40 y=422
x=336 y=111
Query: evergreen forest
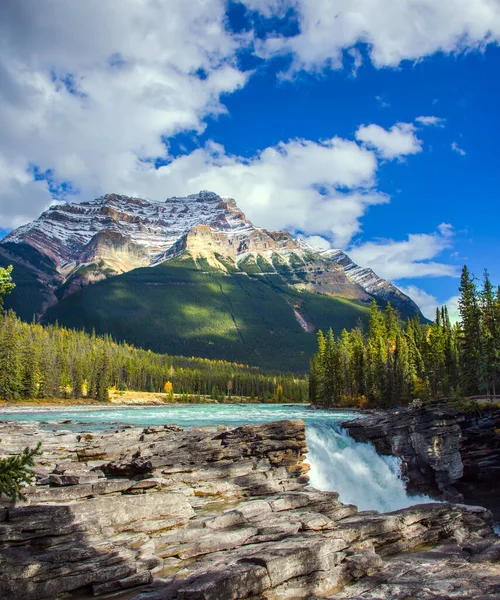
x=55 y=362
x=392 y=362
x=387 y=363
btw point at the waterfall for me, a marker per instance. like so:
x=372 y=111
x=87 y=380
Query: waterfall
x=355 y=470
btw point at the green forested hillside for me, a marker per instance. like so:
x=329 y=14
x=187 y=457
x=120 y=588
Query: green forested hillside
x=29 y=295
x=180 y=309
x=40 y=362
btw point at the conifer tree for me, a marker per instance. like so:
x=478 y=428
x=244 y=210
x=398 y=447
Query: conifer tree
x=471 y=362
x=6 y=283
x=102 y=377
x=490 y=333
x=29 y=370
x=330 y=370
x=10 y=359
x=358 y=365
x=377 y=355
x=16 y=470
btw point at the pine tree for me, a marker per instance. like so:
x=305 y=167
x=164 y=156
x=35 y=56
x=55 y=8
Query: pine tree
x=357 y=367
x=490 y=332
x=6 y=283
x=470 y=348
x=30 y=374
x=331 y=371
x=10 y=359
x=102 y=377
x=16 y=470
x=377 y=356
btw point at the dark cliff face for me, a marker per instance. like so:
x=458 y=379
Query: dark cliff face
x=445 y=452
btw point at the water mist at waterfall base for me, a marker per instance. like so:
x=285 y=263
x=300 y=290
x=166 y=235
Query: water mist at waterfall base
x=338 y=463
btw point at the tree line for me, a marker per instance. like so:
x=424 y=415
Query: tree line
x=54 y=362
x=393 y=362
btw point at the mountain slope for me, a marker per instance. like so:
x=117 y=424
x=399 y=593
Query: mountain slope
x=178 y=307
x=188 y=275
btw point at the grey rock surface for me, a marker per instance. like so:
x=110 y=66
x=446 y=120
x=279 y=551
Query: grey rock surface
x=219 y=514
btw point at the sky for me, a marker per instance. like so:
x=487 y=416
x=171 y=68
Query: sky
x=370 y=126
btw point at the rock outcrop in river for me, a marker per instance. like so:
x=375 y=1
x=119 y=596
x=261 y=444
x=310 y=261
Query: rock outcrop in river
x=444 y=451
x=221 y=514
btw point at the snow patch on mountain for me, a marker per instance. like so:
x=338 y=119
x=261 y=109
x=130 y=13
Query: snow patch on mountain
x=63 y=231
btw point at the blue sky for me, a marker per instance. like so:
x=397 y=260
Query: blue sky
x=375 y=134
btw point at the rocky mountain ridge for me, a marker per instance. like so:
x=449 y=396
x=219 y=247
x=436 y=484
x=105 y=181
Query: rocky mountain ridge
x=73 y=245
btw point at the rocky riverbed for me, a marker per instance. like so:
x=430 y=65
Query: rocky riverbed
x=221 y=514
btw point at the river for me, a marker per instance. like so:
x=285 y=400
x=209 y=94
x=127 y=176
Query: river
x=338 y=463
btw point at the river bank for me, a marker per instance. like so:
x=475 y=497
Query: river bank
x=222 y=513
x=131 y=398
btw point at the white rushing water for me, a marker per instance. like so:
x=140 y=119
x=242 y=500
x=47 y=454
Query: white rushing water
x=356 y=471
x=338 y=463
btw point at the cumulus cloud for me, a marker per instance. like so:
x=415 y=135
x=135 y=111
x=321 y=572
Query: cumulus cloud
x=409 y=258
x=382 y=102
x=456 y=148
x=393 y=30
x=396 y=142
x=86 y=88
x=91 y=94
x=316 y=241
x=317 y=188
x=428 y=303
x=430 y=121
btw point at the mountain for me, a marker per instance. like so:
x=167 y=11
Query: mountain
x=189 y=276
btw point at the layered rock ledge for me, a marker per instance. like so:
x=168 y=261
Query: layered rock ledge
x=445 y=452
x=220 y=514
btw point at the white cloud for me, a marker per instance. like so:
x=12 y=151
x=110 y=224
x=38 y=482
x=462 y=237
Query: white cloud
x=396 y=142
x=456 y=148
x=393 y=30
x=446 y=230
x=409 y=258
x=382 y=102
x=91 y=92
x=316 y=241
x=357 y=60
x=428 y=303
x=88 y=87
x=318 y=188
x=431 y=121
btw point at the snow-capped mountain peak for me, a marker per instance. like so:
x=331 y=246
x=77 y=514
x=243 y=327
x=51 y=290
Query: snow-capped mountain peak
x=64 y=231
x=80 y=243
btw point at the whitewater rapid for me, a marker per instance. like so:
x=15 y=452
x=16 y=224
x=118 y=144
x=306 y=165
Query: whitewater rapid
x=338 y=463
x=355 y=470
